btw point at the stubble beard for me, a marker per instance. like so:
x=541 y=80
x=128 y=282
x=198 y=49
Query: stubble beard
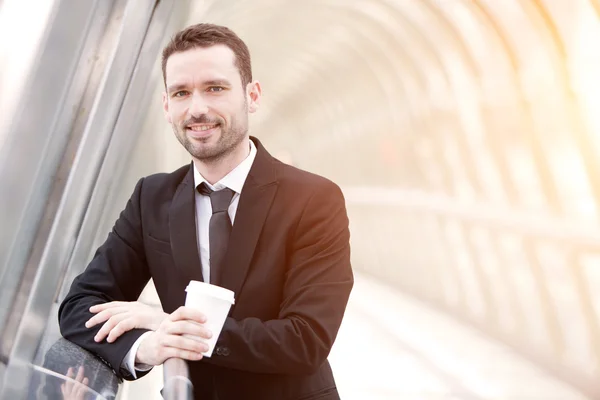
x=228 y=141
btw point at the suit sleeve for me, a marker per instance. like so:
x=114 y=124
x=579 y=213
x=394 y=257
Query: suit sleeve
x=117 y=272
x=315 y=294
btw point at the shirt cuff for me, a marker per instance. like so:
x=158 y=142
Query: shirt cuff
x=129 y=360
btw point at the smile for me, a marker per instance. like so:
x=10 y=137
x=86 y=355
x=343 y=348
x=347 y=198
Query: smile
x=202 y=128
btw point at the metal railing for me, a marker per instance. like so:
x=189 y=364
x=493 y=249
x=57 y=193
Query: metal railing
x=177 y=384
x=108 y=131
x=69 y=371
x=526 y=278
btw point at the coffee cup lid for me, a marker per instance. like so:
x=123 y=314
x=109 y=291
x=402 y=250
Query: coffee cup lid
x=212 y=290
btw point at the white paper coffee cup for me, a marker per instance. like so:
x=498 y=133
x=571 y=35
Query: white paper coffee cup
x=214 y=302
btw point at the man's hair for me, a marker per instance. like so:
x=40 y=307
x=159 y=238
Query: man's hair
x=206 y=35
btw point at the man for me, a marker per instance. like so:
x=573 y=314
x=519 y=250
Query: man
x=279 y=240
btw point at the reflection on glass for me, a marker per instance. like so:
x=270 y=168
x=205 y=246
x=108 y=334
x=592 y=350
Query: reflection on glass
x=50 y=385
x=75 y=387
x=71 y=373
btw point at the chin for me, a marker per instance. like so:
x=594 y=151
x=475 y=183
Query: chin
x=205 y=151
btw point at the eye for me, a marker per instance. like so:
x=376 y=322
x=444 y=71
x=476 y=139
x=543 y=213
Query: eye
x=180 y=93
x=216 y=89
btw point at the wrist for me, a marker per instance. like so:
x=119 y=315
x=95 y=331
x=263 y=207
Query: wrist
x=141 y=353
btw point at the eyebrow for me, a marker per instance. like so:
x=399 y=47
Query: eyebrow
x=176 y=87
x=217 y=82
x=214 y=82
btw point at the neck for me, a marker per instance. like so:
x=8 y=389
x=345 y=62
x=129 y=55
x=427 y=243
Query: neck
x=214 y=170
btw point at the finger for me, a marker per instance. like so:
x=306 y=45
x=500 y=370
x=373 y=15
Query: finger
x=123 y=326
x=188 y=313
x=185 y=343
x=81 y=389
x=104 y=306
x=104 y=316
x=63 y=390
x=172 y=352
x=109 y=326
x=189 y=328
x=79 y=377
x=68 y=382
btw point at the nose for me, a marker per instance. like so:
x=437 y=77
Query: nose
x=198 y=105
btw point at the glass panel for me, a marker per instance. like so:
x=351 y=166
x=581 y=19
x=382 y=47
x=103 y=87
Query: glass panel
x=493 y=270
x=540 y=73
x=567 y=306
x=53 y=89
x=474 y=299
x=525 y=289
x=578 y=25
x=590 y=264
x=524 y=171
x=17 y=56
x=434 y=247
x=502 y=113
x=72 y=385
x=65 y=371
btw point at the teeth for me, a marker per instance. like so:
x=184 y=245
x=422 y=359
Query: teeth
x=202 y=128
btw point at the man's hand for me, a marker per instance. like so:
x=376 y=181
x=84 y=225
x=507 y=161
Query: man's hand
x=123 y=316
x=75 y=388
x=166 y=342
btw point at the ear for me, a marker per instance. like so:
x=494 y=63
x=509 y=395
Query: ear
x=254 y=93
x=165 y=100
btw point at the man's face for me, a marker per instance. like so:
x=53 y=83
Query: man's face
x=205 y=102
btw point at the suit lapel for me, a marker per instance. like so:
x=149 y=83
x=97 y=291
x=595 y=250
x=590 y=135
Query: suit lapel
x=255 y=201
x=182 y=229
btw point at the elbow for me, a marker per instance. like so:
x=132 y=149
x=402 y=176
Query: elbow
x=309 y=351
x=312 y=361
x=310 y=366
x=70 y=321
x=62 y=324
x=64 y=313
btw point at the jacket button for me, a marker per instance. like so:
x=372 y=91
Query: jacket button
x=222 y=351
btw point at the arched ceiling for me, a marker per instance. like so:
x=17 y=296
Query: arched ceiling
x=446 y=96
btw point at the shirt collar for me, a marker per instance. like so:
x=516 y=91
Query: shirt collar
x=235 y=179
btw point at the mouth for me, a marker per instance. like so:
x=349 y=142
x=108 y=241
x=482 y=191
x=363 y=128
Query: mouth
x=201 y=131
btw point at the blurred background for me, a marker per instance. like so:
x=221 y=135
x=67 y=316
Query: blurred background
x=465 y=135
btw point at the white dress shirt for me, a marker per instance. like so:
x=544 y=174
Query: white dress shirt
x=235 y=181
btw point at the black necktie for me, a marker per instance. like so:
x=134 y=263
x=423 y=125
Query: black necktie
x=219 y=228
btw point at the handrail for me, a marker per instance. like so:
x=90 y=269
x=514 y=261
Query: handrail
x=534 y=267
x=63 y=355
x=98 y=134
x=548 y=227
x=177 y=384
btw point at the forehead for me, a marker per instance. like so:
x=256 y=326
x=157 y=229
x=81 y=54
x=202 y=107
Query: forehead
x=202 y=63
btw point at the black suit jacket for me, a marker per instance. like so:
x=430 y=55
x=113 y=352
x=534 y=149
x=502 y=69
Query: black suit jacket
x=288 y=263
